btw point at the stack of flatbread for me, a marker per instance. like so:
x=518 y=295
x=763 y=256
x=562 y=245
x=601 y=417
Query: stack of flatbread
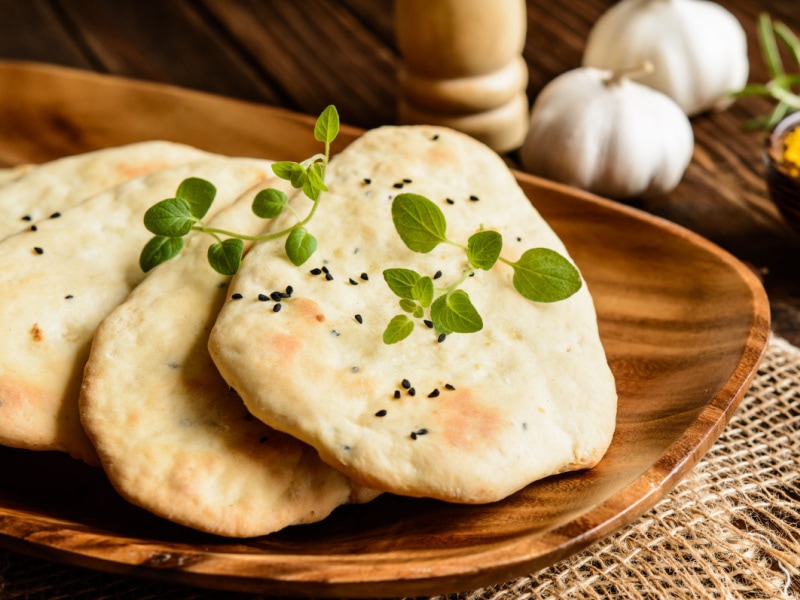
x=241 y=406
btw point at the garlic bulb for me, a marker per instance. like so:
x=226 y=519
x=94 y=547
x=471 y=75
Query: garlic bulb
x=698 y=48
x=607 y=134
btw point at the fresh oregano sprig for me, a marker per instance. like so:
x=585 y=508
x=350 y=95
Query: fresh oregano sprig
x=540 y=274
x=172 y=219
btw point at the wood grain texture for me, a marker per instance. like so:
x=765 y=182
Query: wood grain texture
x=683 y=322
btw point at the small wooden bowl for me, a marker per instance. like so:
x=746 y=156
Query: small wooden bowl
x=783 y=181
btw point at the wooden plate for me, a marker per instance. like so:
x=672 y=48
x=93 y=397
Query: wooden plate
x=684 y=325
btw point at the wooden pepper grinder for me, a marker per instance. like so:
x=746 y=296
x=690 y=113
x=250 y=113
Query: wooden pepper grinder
x=462 y=67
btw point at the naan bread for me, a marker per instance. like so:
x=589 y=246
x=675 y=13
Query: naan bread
x=36 y=193
x=533 y=394
x=171 y=435
x=61 y=280
x=9 y=174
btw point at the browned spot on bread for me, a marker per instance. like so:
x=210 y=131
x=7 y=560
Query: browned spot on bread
x=132 y=170
x=36 y=333
x=467 y=423
x=285 y=346
x=440 y=156
x=309 y=310
x=18 y=400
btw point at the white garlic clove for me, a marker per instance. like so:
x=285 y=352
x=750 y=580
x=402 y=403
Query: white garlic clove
x=615 y=138
x=698 y=49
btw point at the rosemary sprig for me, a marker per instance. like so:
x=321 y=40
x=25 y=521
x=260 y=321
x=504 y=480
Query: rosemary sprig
x=772 y=35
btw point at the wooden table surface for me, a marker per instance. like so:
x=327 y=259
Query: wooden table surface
x=305 y=55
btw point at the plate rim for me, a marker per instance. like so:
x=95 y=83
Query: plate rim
x=667 y=471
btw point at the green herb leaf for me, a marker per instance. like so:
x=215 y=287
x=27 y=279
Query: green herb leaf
x=401 y=281
x=315 y=181
x=543 y=275
x=269 y=203
x=171 y=217
x=158 y=250
x=225 y=257
x=418 y=312
x=299 y=176
x=399 y=328
x=408 y=305
x=423 y=291
x=198 y=193
x=454 y=312
x=419 y=222
x=300 y=245
x=483 y=249
x=327 y=126
x=284 y=169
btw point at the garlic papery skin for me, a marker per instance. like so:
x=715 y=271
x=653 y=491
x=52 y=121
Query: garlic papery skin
x=608 y=135
x=697 y=47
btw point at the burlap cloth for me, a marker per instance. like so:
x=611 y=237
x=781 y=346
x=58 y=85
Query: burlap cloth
x=730 y=530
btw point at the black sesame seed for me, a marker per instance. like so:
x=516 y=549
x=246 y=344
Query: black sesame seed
x=328 y=277
x=406 y=180
x=289 y=291
x=34 y=228
x=449 y=386
x=397 y=393
x=353 y=281
x=422 y=431
x=428 y=324
x=367 y=180
x=315 y=271
x=519 y=239
x=441 y=338
x=474 y=198
x=360 y=319
x=413 y=435
x=380 y=413
x=27 y=218
x=263 y=297
x=38 y=250
x=276 y=296
x=236 y=296
x=437 y=274
x=406 y=383
x=412 y=392
x=435 y=137
x=335 y=333
x=263 y=439
x=450 y=201
x=355 y=369
x=68 y=297
x=55 y=215
x=277 y=307
x=398 y=185
x=325 y=269
x=365 y=277
x=434 y=393
x=284 y=295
